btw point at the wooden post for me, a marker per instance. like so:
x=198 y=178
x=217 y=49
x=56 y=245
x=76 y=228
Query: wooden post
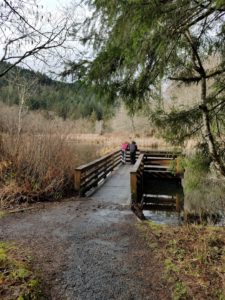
x=178 y=208
x=77 y=178
x=142 y=177
x=133 y=185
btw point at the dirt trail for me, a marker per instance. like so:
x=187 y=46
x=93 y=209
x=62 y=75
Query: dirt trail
x=88 y=249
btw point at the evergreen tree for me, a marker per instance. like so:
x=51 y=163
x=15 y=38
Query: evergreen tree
x=136 y=43
x=68 y=100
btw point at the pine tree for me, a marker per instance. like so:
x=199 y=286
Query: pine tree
x=137 y=43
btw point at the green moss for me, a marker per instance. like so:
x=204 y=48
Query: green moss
x=3 y=255
x=33 y=283
x=19 y=282
x=3 y=245
x=170 y=267
x=2 y=214
x=21 y=273
x=157 y=228
x=220 y=295
x=179 y=291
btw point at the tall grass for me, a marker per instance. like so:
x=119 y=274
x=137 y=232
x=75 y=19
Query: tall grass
x=38 y=162
x=35 y=167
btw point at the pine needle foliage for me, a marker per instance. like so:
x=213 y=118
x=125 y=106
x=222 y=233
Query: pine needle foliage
x=137 y=43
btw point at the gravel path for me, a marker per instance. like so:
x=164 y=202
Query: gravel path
x=89 y=248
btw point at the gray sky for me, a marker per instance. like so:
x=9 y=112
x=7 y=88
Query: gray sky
x=56 y=8
x=54 y=4
x=54 y=15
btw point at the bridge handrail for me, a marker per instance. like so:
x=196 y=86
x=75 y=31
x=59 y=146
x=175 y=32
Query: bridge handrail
x=136 y=179
x=165 y=154
x=143 y=163
x=89 y=175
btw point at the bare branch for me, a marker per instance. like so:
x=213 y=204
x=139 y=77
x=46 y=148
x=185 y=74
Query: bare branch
x=22 y=38
x=186 y=79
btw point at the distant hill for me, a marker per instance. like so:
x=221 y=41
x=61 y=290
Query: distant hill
x=71 y=101
x=67 y=100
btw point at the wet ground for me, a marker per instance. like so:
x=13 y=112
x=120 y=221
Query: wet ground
x=89 y=248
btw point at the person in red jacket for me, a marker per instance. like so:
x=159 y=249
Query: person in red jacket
x=124 y=148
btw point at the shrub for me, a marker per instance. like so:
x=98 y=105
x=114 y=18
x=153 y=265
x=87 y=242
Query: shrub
x=38 y=162
x=204 y=194
x=36 y=166
x=196 y=168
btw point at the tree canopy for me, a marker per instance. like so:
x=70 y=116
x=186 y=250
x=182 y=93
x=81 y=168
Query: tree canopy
x=138 y=43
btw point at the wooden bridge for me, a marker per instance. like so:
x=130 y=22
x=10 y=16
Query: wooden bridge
x=108 y=178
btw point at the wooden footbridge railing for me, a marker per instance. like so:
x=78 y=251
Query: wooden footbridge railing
x=151 y=164
x=136 y=179
x=90 y=175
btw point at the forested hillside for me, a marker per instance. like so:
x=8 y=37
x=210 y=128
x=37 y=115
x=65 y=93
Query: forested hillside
x=67 y=100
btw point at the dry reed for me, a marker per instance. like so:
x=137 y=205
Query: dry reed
x=37 y=163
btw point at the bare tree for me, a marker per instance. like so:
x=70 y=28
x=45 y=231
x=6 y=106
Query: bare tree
x=25 y=31
x=24 y=89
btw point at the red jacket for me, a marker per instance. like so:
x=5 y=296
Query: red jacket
x=124 y=146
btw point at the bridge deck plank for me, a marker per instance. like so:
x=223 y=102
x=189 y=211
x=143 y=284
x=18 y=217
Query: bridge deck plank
x=116 y=189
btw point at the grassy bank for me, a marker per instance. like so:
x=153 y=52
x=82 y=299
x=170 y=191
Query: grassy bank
x=17 y=281
x=193 y=259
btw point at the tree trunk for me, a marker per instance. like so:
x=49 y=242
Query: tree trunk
x=207 y=131
x=132 y=124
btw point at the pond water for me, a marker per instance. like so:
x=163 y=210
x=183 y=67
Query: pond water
x=164 y=202
x=86 y=152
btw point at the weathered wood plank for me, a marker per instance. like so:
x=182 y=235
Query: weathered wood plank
x=77 y=179
x=89 y=175
x=97 y=161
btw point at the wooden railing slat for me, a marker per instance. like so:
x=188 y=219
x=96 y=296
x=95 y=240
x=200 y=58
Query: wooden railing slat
x=89 y=175
x=97 y=161
x=103 y=171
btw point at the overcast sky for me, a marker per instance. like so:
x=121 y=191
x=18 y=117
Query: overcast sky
x=54 y=4
x=56 y=7
x=57 y=11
